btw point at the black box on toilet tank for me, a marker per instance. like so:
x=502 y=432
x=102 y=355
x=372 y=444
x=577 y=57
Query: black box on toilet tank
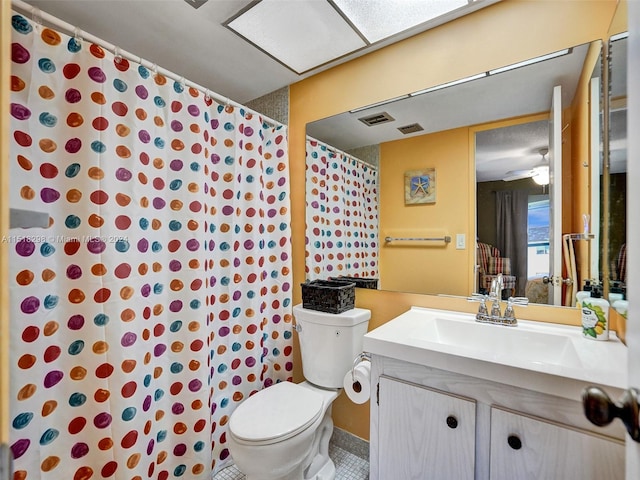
x=331 y=296
x=370 y=283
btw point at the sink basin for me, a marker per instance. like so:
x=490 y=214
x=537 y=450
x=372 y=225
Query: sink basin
x=534 y=355
x=501 y=342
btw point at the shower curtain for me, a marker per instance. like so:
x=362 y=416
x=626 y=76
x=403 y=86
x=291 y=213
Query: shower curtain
x=341 y=214
x=160 y=295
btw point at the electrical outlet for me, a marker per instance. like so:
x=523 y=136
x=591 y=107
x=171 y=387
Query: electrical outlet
x=461 y=242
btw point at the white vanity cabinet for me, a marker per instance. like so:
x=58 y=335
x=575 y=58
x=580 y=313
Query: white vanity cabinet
x=523 y=384
x=429 y=423
x=523 y=447
x=424 y=433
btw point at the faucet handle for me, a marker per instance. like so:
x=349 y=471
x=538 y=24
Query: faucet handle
x=509 y=317
x=522 y=301
x=483 y=314
x=477 y=297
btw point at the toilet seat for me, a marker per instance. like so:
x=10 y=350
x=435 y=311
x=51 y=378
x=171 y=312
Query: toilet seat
x=275 y=414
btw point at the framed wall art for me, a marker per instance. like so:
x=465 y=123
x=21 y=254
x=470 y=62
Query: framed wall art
x=420 y=186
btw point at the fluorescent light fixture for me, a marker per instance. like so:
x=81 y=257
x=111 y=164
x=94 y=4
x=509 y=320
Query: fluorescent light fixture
x=299 y=35
x=303 y=35
x=373 y=105
x=380 y=19
x=531 y=61
x=618 y=36
x=449 y=84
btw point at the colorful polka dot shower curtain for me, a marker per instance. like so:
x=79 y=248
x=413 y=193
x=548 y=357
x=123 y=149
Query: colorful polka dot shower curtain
x=341 y=214
x=160 y=295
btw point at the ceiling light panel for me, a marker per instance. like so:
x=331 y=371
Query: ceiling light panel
x=380 y=19
x=300 y=35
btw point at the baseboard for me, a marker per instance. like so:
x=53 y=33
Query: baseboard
x=351 y=443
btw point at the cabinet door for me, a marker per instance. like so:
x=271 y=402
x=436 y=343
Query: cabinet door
x=525 y=448
x=424 y=434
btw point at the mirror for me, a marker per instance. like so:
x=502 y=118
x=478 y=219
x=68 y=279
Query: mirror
x=616 y=169
x=432 y=132
x=513 y=207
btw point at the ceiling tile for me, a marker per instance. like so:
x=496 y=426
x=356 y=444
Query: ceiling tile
x=384 y=18
x=300 y=35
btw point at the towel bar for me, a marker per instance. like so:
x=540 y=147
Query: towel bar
x=445 y=239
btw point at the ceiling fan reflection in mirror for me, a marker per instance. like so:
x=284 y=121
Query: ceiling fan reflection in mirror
x=539 y=173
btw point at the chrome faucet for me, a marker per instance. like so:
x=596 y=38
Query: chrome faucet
x=495 y=316
x=497 y=285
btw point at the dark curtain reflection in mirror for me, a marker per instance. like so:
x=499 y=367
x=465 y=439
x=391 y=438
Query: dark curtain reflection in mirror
x=511 y=219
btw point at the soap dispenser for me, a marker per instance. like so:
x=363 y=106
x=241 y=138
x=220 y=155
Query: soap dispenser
x=621 y=306
x=595 y=316
x=615 y=293
x=584 y=293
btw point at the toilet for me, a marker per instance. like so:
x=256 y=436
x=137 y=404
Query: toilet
x=282 y=432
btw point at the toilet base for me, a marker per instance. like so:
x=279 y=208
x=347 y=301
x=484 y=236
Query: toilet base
x=327 y=472
x=294 y=475
x=312 y=456
x=321 y=466
x=318 y=465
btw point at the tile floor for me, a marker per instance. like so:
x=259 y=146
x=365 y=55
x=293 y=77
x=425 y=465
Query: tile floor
x=348 y=467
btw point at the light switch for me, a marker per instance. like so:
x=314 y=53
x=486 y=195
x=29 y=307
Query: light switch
x=460 y=241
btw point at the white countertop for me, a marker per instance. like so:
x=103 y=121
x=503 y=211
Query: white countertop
x=549 y=358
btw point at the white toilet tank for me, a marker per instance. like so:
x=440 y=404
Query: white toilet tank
x=329 y=343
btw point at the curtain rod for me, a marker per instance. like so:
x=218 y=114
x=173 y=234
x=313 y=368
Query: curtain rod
x=336 y=150
x=38 y=16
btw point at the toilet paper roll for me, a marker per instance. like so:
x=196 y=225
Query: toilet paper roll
x=357 y=386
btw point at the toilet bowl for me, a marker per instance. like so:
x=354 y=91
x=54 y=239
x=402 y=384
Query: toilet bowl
x=283 y=431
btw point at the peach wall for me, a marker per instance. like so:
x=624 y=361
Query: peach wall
x=425 y=267
x=498 y=35
x=580 y=168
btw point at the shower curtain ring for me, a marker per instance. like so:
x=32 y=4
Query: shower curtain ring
x=183 y=82
x=36 y=16
x=154 y=68
x=117 y=56
x=77 y=34
x=207 y=95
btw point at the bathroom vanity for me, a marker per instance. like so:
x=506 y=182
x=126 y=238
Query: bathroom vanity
x=454 y=398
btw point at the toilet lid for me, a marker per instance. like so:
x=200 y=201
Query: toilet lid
x=277 y=412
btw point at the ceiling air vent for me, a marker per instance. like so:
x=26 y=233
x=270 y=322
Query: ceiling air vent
x=377 y=119
x=196 y=3
x=414 y=127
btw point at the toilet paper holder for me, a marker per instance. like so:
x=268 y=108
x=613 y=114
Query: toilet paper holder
x=359 y=358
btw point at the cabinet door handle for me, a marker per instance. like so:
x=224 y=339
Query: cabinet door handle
x=601 y=410
x=514 y=442
x=452 y=422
